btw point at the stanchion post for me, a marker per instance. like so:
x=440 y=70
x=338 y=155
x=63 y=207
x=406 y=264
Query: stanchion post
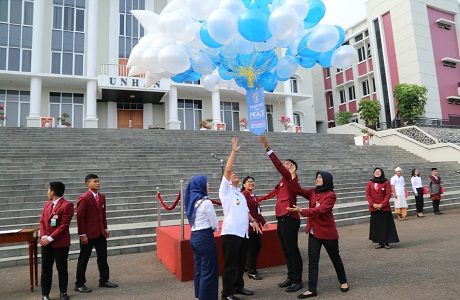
x=158 y=209
x=182 y=210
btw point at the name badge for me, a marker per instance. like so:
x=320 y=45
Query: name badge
x=53 y=222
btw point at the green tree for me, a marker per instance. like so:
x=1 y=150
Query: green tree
x=343 y=117
x=369 y=111
x=411 y=101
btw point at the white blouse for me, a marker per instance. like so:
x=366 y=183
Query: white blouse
x=416 y=183
x=398 y=183
x=205 y=215
x=236 y=217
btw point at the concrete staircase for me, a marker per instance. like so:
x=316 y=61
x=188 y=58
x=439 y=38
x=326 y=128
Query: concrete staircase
x=132 y=163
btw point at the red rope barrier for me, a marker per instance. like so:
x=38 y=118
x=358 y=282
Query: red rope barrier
x=163 y=203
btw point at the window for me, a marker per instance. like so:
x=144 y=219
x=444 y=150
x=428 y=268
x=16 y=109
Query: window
x=343 y=98
x=190 y=114
x=16 y=107
x=293 y=81
x=16 y=19
x=366 y=33
x=369 y=52
x=296 y=118
x=68 y=37
x=361 y=54
x=328 y=72
x=365 y=85
x=230 y=115
x=269 y=114
x=130 y=30
x=373 y=85
x=351 y=93
x=339 y=70
x=330 y=100
x=70 y=104
x=359 y=37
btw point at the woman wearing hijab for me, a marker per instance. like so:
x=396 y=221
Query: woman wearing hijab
x=321 y=230
x=382 y=226
x=203 y=221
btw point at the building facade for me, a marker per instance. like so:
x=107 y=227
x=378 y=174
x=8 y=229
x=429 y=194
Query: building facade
x=65 y=60
x=409 y=41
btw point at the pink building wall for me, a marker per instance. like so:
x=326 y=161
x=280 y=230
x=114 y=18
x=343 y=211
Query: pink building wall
x=391 y=51
x=362 y=68
x=445 y=45
x=352 y=107
x=339 y=78
x=349 y=74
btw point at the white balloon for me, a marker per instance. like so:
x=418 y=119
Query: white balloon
x=242 y=45
x=174 y=59
x=300 y=7
x=211 y=82
x=173 y=6
x=162 y=41
x=228 y=52
x=148 y=19
x=150 y=60
x=180 y=25
x=222 y=26
x=200 y=9
x=151 y=79
x=323 y=38
x=344 y=56
x=236 y=7
x=283 y=22
x=136 y=70
x=267 y=45
x=202 y=63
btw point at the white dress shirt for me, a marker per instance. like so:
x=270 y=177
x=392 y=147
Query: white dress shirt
x=205 y=216
x=236 y=217
x=398 y=182
x=416 y=182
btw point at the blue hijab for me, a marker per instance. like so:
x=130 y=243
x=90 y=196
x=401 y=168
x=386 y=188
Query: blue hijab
x=195 y=190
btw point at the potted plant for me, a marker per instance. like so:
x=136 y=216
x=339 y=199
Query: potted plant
x=286 y=121
x=343 y=117
x=206 y=124
x=369 y=111
x=63 y=120
x=244 y=124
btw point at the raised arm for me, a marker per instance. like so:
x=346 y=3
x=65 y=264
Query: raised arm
x=275 y=160
x=231 y=158
x=268 y=196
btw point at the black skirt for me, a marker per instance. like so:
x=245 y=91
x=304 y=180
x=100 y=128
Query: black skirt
x=382 y=228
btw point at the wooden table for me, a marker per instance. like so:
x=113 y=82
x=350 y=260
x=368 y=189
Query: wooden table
x=30 y=236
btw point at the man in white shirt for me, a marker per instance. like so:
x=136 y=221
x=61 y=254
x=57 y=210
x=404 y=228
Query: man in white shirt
x=234 y=230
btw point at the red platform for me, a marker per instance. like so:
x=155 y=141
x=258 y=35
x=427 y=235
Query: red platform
x=177 y=255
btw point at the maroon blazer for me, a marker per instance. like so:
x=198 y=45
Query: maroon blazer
x=381 y=195
x=254 y=209
x=319 y=214
x=91 y=216
x=63 y=213
x=285 y=190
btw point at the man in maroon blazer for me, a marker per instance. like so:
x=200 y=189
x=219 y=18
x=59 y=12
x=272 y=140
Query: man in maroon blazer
x=93 y=232
x=288 y=223
x=55 y=239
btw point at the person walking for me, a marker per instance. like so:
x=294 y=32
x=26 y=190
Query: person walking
x=55 y=239
x=203 y=221
x=255 y=238
x=435 y=190
x=93 y=233
x=321 y=231
x=234 y=233
x=398 y=192
x=288 y=223
x=417 y=187
x=382 y=226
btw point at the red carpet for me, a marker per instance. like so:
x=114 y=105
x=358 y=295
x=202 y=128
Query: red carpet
x=177 y=256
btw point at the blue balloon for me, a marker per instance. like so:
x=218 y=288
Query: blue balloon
x=303 y=50
x=242 y=81
x=206 y=38
x=316 y=12
x=244 y=60
x=280 y=78
x=189 y=75
x=341 y=36
x=306 y=62
x=225 y=73
x=268 y=80
x=324 y=59
x=265 y=60
x=253 y=25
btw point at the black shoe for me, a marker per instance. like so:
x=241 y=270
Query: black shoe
x=440 y=213
x=45 y=297
x=254 y=276
x=108 y=284
x=303 y=296
x=83 y=289
x=294 y=287
x=63 y=296
x=285 y=283
x=230 y=297
x=387 y=246
x=344 y=290
x=379 y=246
x=244 y=291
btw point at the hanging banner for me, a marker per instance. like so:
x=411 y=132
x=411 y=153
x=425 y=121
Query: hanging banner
x=257 y=119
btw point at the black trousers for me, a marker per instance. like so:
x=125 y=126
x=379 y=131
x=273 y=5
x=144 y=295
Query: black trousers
x=254 y=246
x=314 y=250
x=100 y=244
x=49 y=255
x=288 y=233
x=435 y=206
x=419 y=200
x=234 y=249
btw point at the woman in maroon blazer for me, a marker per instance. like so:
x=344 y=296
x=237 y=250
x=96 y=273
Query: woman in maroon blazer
x=321 y=231
x=382 y=226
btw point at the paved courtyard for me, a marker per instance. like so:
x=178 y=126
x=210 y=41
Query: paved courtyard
x=424 y=265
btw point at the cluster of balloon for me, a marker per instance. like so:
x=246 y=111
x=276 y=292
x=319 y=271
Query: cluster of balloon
x=256 y=43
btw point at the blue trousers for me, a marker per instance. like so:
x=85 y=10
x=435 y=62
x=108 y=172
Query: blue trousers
x=205 y=257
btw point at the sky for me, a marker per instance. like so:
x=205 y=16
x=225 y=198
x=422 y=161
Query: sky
x=344 y=13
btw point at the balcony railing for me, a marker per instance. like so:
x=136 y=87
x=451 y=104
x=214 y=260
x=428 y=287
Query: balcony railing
x=116 y=70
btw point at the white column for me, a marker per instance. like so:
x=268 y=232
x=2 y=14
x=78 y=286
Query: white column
x=216 y=109
x=112 y=118
x=148 y=115
x=288 y=107
x=91 y=120
x=173 y=121
x=33 y=119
